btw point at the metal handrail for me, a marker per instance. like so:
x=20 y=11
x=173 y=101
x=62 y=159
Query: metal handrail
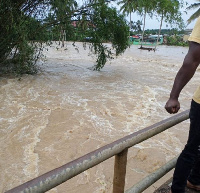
x=153 y=177
x=59 y=175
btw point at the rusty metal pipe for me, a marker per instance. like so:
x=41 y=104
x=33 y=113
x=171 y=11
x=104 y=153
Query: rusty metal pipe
x=59 y=175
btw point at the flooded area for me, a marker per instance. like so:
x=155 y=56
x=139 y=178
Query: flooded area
x=68 y=110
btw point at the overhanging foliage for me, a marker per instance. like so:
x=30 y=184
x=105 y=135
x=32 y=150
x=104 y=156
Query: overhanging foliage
x=23 y=23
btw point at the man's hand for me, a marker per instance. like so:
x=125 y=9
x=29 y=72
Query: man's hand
x=172 y=106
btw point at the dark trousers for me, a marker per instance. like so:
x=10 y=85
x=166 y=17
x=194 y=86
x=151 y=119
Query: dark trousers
x=188 y=164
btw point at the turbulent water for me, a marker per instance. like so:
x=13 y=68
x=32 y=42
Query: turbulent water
x=68 y=110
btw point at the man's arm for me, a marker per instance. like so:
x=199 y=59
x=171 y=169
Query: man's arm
x=186 y=72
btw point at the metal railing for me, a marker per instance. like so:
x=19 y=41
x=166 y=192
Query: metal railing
x=119 y=149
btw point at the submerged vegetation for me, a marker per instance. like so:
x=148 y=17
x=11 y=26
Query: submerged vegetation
x=26 y=26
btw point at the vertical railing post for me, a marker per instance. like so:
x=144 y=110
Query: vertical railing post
x=120 y=172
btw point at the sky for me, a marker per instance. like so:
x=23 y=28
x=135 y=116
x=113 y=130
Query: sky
x=155 y=24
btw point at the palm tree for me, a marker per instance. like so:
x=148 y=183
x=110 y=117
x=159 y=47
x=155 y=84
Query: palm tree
x=129 y=6
x=168 y=9
x=147 y=8
x=196 y=14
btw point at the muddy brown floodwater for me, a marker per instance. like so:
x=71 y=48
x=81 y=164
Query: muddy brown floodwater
x=68 y=110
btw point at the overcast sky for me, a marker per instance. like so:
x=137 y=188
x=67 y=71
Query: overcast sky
x=154 y=23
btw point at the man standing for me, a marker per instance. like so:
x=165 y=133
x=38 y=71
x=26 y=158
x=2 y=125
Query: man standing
x=187 y=170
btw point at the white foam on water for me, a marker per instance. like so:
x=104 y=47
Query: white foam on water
x=68 y=110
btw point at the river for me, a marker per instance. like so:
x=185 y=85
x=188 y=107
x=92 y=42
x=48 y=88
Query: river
x=68 y=110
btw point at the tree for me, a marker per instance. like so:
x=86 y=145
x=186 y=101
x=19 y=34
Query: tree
x=20 y=47
x=147 y=8
x=129 y=6
x=59 y=10
x=196 y=14
x=107 y=25
x=169 y=10
x=103 y=24
x=16 y=52
x=136 y=25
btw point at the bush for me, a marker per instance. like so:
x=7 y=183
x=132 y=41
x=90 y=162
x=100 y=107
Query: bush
x=176 y=40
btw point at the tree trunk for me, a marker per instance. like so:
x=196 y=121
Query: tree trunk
x=143 y=27
x=159 y=31
x=63 y=40
x=62 y=37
